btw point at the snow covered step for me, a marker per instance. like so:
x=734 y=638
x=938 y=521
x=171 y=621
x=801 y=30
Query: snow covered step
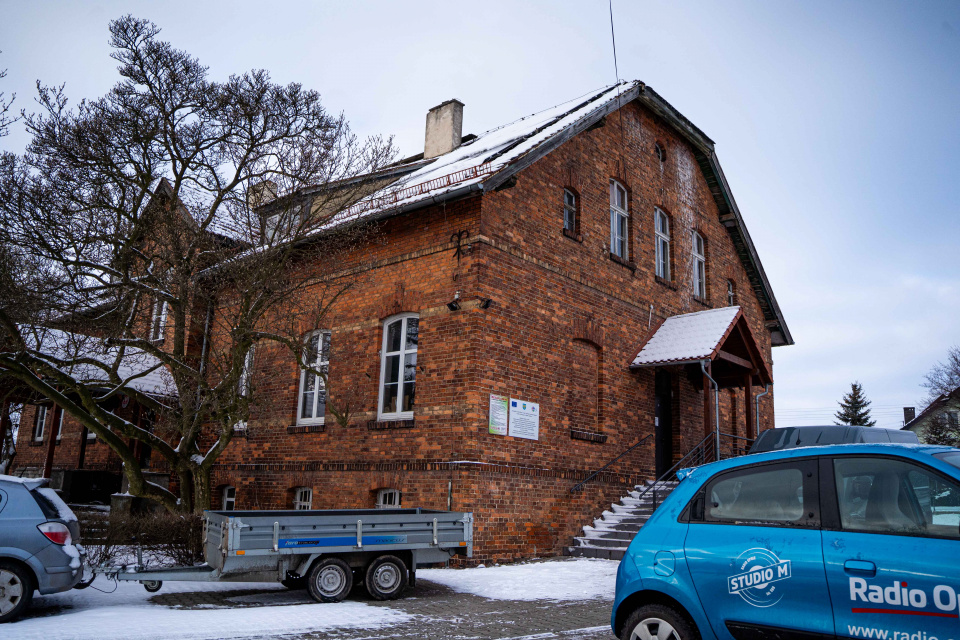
x=596 y=552
x=602 y=543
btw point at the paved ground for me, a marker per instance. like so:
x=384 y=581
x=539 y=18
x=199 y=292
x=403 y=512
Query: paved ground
x=439 y=613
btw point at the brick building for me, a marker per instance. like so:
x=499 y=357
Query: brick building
x=530 y=264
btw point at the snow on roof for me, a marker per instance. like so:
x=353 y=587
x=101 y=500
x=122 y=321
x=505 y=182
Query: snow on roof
x=483 y=156
x=137 y=369
x=688 y=337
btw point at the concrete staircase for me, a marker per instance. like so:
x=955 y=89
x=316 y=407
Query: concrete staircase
x=612 y=532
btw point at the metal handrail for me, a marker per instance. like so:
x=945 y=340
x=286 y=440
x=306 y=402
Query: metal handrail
x=579 y=485
x=700 y=448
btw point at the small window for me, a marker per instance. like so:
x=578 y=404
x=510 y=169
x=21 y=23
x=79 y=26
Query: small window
x=764 y=494
x=569 y=211
x=313 y=390
x=228 y=499
x=699 y=266
x=619 y=221
x=662 y=249
x=731 y=294
x=883 y=495
x=60 y=425
x=40 y=422
x=388 y=499
x=398 y=368
x=661 y=153
x=953 y=419
x=303 y=499
x=245 y=383
x=159 y=322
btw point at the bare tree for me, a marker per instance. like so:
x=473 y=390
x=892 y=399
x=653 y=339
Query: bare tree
x=944 y=377
x=5 y=118
x=152 y=236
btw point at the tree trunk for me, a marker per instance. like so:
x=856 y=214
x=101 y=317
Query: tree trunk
x=201 y=490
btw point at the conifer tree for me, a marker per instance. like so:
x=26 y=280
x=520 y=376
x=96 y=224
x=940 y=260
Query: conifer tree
x=855 y=408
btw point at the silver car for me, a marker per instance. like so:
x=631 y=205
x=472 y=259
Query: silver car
x=38 y=544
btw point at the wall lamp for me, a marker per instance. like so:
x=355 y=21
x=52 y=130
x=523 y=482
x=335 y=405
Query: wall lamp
x=454 y=305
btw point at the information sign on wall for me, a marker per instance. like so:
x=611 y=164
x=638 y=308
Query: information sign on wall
x=498 y=414
x=524 y=419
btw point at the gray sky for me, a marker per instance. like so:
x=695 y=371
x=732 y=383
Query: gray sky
x=837 y=124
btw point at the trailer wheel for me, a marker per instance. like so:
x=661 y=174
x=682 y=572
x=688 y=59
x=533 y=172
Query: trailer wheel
x=330 y=580
x=386 y=577
x=152 y=585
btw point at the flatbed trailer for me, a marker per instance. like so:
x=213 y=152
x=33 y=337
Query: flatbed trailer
x=322 y=551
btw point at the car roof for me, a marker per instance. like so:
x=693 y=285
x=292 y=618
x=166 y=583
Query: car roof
x=912 y=450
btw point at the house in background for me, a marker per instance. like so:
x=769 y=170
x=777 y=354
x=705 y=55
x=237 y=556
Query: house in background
x=945 y=407
x=545 y=296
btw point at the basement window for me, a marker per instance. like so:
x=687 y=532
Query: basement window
x=388 y=499
x=228 y=499
x=303 y=499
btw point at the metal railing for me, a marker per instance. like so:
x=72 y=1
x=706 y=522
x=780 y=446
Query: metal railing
x=703 y=452
x=580 y=485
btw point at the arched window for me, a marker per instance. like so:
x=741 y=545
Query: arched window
x=388 y=499
x=660 y=151
x=731 y=294
x=313 y=391
x=699 y=266
x=662 y=249
x=398 y=367
x=303 y=499
x=228 y=498
x=619 y=221
x=569 y=211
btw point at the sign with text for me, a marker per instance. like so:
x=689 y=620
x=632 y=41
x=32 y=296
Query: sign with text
x=498 y=415
x=524 y=419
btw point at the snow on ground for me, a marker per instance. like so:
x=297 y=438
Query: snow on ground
x=127 y=614
x=577 y=579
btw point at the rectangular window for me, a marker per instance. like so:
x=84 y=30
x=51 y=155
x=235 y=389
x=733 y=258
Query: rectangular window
x=313 y=389
x=159 y=322
x=699 y=266
x=569 y=211
x=40 y=423
x=60 y=425
x=388 y=499
x=619 y=221
x=953 y=419
x=759 y=495
x=303 y=499
x=662 y=249
x=245 y=383
x=398 y=368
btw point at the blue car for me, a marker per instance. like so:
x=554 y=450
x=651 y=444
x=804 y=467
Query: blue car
x=849 y=541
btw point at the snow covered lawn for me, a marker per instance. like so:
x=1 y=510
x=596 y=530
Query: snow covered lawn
x=127 y=614
x=575 y=579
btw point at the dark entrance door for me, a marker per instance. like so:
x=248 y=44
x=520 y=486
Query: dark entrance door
x=663 y=422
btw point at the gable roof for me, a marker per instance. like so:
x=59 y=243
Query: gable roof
x=686 y=338
x=941 y=402
x=483 y=163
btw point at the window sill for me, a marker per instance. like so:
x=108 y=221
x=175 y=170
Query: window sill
x=704 y=301
x=667 y=283
x=626 y=263
x=306 y=428
x=36 y=443
x=576 y=237
x=380 y=425
x=587 y=436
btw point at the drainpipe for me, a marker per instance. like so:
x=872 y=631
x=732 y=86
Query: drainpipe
x=716 y=408
x=756 y=413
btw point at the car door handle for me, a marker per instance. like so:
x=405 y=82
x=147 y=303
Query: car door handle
x=860 y=566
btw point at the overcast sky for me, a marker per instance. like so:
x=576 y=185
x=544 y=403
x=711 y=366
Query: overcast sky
x=837 y=124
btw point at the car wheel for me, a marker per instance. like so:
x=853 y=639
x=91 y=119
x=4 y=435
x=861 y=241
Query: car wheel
x=386 y=577
x=330 y=580
x=16 y=590
x=658 y=622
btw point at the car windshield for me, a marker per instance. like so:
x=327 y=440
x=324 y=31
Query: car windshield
x=950 y=457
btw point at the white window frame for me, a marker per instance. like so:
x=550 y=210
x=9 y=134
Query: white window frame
x=318 y=360
x=41 y=422
x=60 y=426
x=619 y=216
x=569 y=210
x=244 y=384
x=158 y=323
x=302 y=499
x=661 y=225
x=396 y=414
x=699 y=266
x=731 y=294
x=228 y=498
x=388 y=499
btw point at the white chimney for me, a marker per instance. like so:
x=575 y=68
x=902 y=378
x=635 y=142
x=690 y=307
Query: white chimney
x=444 y=129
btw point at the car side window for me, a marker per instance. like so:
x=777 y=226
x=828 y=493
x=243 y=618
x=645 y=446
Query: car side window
x=886 y=495
x=767 y=494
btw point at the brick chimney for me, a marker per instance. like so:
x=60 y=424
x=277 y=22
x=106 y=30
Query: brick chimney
x=444 y=129
x=909 y=413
